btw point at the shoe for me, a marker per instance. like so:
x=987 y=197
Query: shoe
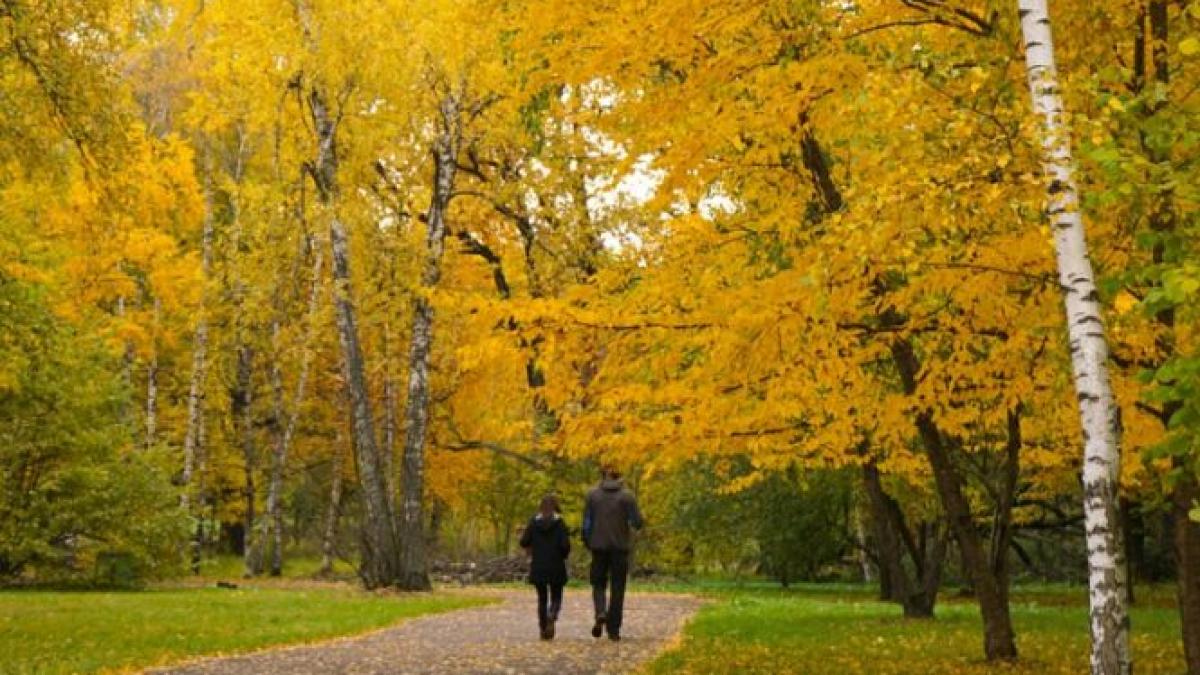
x=615 y=637
x=549 y=632
x=598 y=628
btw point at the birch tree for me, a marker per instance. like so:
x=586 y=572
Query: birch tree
x=416 y=416
x=287 y=417
x=1098 y=411
x=381 y=554
x=195 y=399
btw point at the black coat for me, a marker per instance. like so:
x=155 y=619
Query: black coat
x=550 y=543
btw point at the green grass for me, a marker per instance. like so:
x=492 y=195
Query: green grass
x=816 y=629
x=83 y=632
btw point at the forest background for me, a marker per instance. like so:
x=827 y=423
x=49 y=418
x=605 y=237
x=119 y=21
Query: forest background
x=360 y=280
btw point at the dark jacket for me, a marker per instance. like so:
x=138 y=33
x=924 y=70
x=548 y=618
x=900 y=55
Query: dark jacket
x=548 y=541
x=608 y=514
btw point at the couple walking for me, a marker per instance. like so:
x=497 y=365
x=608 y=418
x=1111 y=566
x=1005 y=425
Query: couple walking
x=609 y=512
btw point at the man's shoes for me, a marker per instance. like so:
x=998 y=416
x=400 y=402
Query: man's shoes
x=548 y=632
x=615 y=637
x=598 y=628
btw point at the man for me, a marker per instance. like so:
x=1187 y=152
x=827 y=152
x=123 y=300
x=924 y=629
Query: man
x=608 y=514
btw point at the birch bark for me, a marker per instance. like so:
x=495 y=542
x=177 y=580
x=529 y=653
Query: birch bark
x=329 y=532
x=152 y=383
x=381 y=554
x=389 y=413
x=1109 y=617
x=416 y=417
x=195 y=404
x=242 y=403
x=288 y=417
x=193 y=435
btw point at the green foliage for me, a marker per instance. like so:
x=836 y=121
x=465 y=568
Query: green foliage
x=801 y=524
x=790 y=527
x=53 y=632
x=70 y=487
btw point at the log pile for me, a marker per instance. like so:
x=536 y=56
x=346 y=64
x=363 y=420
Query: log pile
x=500 y=569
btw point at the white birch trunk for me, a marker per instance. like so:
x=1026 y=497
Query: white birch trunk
x=193 y=439
x=244 y=406
x=329 y=534
x=860 y=539
x=416 y=416
x=199 y=535
x=381 y=546
x=195 y=401
x=381 y=558
x=1089 y=355
x=152 y=382
x=287 y=427
x=126 y=370
x=389 y=413
x=195 y=410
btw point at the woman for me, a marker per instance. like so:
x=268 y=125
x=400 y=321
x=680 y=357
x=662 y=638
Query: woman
x=548 y=543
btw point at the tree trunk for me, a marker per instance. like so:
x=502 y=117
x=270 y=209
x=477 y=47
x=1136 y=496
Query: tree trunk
x=195 y=409
x=380 y=562
x=126 y=371
x=893 y=580
x=886 y=592
x=860 y=540
x=987 y=573
x=201 y=460
x=329 y=533
x=416 y=417
x=389 y=416
x=1089 y=355
x=991 y=588
x=195 y=402
x=278 y=457
x=916 y=595
x=152 y=383
x=242 y=399
x=1164 y=220
x=286 y=419
x=1187 y=558
x=1134 y=535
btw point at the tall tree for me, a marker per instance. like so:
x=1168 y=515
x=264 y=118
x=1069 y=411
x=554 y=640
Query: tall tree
x=381 y=563
x=1099 y=415
x=286 y=416
x=446 y=147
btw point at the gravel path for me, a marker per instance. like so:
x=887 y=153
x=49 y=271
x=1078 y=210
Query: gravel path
x=501 y=638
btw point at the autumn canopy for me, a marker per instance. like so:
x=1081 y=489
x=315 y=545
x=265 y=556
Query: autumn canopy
x=911 y=285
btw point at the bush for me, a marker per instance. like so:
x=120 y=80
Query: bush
x=71 y=483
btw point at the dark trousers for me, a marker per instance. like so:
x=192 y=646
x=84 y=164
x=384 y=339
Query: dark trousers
x=610 y=565
x=549 y=601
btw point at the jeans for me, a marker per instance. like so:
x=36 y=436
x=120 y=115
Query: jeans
x=549 y=601
x=610 y=565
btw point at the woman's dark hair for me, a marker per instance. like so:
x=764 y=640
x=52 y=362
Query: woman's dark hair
x=550 y=501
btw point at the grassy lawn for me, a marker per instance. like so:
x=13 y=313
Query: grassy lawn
x=81 y=631
x=843 y=629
